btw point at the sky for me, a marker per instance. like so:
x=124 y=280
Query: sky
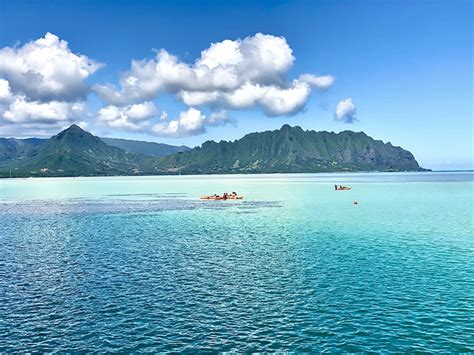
x=183 y=72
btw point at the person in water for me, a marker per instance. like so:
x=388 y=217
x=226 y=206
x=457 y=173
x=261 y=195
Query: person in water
x=335 y=187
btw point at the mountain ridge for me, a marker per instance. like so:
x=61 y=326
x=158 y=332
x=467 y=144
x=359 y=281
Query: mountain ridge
x=75 y=152
x=292 y=149
x=11 y=147
x=152 y=149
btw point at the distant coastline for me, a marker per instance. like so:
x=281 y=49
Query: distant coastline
x=45 y=175
x=427 y=171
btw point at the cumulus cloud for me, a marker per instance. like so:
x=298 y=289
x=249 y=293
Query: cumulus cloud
x=345 y=111
x=23 y=111
x=190 y=123
x=232 y=74
x=131 y=117
x=274 y=100
x=163 y=116
x=23 y=118
x=277 y=102
x=146 y=118
x=20 y=117
x=42 y=86
x=5 y=92
x=220 y=118
x=323 y=82
x=198 y=98
x=46 y=69
x=83 y=124
x=223 y=66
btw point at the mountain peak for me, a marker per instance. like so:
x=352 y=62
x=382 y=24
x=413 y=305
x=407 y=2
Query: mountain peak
x=286 y=127
x=74 y=137
x=74 y=127
x=72 y=130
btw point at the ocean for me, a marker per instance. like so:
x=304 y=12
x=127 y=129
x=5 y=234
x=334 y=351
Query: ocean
x=140 y=264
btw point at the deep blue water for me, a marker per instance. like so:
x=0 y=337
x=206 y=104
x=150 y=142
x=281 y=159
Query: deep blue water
x=140 y=264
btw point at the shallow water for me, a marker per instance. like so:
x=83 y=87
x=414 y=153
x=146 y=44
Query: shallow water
x=140 y=264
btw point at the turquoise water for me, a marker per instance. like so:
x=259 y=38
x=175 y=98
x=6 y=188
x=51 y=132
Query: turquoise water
x=140 y=264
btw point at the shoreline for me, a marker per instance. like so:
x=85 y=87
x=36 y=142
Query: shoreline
x=236 y=174
x=336 y=175
x=421 y=170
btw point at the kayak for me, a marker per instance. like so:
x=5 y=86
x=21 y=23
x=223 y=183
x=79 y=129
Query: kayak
x=215 y=198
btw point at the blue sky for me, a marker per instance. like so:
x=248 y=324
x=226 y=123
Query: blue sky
x=405 y=65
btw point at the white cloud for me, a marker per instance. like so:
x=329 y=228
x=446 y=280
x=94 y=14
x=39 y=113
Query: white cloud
x=225 y=53
x=223 y=66
x=46 y=70
x=345 y=111
x=321 y=82
x=140 y=112
x=83 y=124
x=198 y=98
x=275 y=100
x=245 y=96
x=131 y=117
x=22 y=111
x=42 y=87
x=219 y=118
x=43 y=84
x=23 y=118
x=232 y=74
x=189 y=123
x=5 y=92
x=163 y=116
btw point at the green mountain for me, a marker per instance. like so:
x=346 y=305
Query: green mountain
x=291 y=149
x=145 y=148
x=16 y=150
x=12 y=148
x=75 y=152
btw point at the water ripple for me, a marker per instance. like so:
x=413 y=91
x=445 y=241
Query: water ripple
x=307 y=273
x=91 y=206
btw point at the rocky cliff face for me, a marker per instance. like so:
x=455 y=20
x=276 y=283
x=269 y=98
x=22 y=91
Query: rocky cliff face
x=291 y=149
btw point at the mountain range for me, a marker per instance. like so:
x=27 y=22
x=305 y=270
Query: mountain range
x=75 y=152
x=146 y=148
